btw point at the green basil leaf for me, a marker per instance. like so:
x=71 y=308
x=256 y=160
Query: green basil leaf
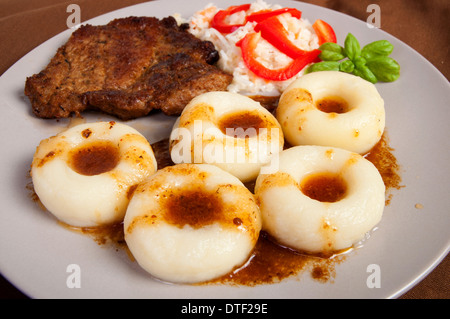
x=324 y=66
x=346 y=66
x=365 y=73
x=331 y=46
x=351 y=46
x=327 y=55
x=385 y=68
x=377 y=48
x=359 y=61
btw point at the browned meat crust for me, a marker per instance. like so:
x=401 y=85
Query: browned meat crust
x=126 y=68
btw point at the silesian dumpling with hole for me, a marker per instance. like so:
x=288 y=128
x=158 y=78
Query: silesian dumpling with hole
x=332 y=108
x=322 y=199
x=190 y=223
x=228 y=130
x=85 y=175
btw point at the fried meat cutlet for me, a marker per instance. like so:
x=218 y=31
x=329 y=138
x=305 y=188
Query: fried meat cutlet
x=126 y=68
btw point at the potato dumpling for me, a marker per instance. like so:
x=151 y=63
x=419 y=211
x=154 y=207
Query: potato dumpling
x=228 y=130
x=190 y=223
x=85 y=175
x=321 y=200
x=332 y=108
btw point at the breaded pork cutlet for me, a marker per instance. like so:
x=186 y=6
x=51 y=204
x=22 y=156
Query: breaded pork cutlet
x=126 y=68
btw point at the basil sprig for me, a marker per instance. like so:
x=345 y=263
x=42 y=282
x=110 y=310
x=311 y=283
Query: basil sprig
x=371 y=63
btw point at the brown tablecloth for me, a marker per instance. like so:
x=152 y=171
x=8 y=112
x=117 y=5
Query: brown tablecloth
x=422 y=24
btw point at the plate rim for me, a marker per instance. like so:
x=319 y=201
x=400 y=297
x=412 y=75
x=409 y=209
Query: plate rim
x=432 y=264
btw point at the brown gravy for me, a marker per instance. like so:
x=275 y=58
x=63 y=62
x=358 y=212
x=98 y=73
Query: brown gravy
x=94 y=158
x=269 y=262
x=324 y=187
x=242 y=124
x=196 y=208
x=332 y=104
x=382 y=156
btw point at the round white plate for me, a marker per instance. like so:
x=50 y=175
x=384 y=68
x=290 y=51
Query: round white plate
x=35 y=251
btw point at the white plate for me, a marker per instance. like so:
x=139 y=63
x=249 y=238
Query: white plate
x=409 y=243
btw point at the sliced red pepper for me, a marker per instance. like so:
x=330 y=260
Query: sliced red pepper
x=264 y=14
x=324 y=31
x=218 y=21
x=273 y=31
x=248 y=46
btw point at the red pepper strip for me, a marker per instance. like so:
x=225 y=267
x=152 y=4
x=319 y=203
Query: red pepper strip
x=273 y=31
x=324 y=31
x=264 y=14
x=248 y=46
x=218 y=21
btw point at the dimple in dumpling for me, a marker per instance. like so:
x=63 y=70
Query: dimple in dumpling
x=331 y=108
x=85 y=175
x=190 y=223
